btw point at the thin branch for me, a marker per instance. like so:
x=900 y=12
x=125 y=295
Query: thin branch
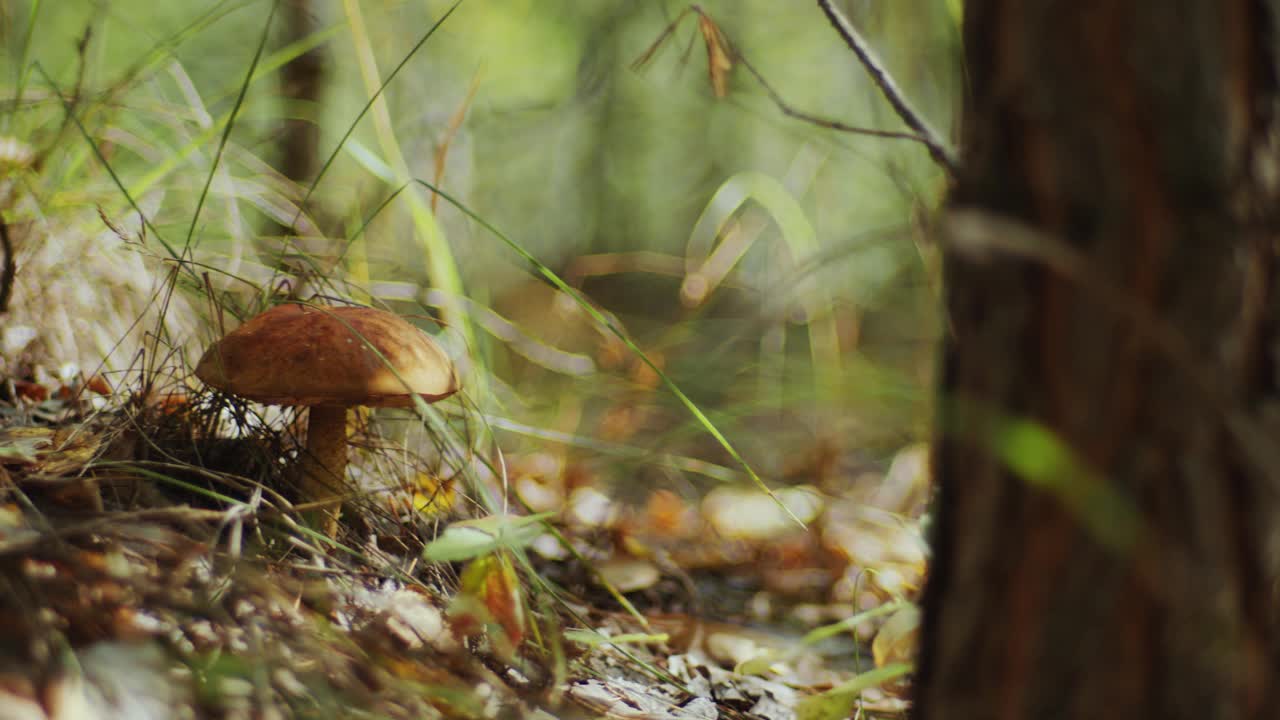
x=455 y=122
x=10 y=268
x=937 y=149
x=653 y=48
x=721 y=47
x=828 y=123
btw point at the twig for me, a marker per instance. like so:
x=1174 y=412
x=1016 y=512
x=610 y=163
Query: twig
x=652 y=50
x=828 y=123
x=10 y=268
x=455 y=122
x=28 y=540
x=77 y=91
x=937 y=149
x=720 y=46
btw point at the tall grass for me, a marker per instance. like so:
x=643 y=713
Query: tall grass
x=659 y=281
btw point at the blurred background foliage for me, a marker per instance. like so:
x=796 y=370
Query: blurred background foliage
x=776 y=270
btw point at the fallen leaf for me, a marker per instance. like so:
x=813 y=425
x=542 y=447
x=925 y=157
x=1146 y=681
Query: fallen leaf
x=838 y=702
x=473 y=538
x=22 y=445
x=628 y=574
x=896 y=641
x=491 y=582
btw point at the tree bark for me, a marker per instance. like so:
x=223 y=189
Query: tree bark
x=1107 y=527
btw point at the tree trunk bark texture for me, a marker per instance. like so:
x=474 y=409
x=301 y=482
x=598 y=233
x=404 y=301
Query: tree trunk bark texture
x=1107 y=527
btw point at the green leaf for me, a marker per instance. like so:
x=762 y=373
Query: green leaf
x=837 y=703
x=22 y=451
x=473 y=538
x=591 y=638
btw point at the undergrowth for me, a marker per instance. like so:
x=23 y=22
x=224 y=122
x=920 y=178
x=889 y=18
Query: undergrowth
x=142 y=206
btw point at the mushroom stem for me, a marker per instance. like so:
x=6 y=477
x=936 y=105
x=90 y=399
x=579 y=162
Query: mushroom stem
x=323 y=470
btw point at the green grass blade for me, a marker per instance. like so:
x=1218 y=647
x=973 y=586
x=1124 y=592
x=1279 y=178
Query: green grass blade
x=324 y=168
x=21 y=81
x=226 y=133
x=604 y=322
x=97 y=151
x=268 y=65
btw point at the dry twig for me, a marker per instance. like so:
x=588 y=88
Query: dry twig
x=722 y=54
x=937 y=149
x=10 y=268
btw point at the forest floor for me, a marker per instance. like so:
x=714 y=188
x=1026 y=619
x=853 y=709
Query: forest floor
x=514 y=554
x=152 y=565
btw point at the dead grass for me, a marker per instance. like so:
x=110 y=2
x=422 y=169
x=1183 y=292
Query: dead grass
x=146 y=524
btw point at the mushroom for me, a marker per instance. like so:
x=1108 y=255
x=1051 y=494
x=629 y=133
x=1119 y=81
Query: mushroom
x=328 y=359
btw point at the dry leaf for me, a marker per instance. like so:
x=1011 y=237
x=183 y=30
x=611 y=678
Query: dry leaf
x=896 y=641
x=492 y=581
x=719 y=62
x=628 y=574
x=433 y=495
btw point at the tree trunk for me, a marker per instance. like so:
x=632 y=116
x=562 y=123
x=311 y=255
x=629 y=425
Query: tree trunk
x=1107 y=529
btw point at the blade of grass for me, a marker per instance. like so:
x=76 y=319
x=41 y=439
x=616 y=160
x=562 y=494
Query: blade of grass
x=226 y=133
x=605 y=323
x=164 y=49
x=351 y=128
x=626 y=452
x=97 y=152
x=442 y=268
x=710 y=263
x=20 y=82
x=282 y=56
x=269 y=64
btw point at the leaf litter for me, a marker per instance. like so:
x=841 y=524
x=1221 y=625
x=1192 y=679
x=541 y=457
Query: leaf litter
x=139 y=533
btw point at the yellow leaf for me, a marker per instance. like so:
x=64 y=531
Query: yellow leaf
x=432 y=495
x=896 y=641
x=493 y=582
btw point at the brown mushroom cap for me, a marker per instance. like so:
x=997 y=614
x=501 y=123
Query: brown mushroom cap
x=329 y=357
